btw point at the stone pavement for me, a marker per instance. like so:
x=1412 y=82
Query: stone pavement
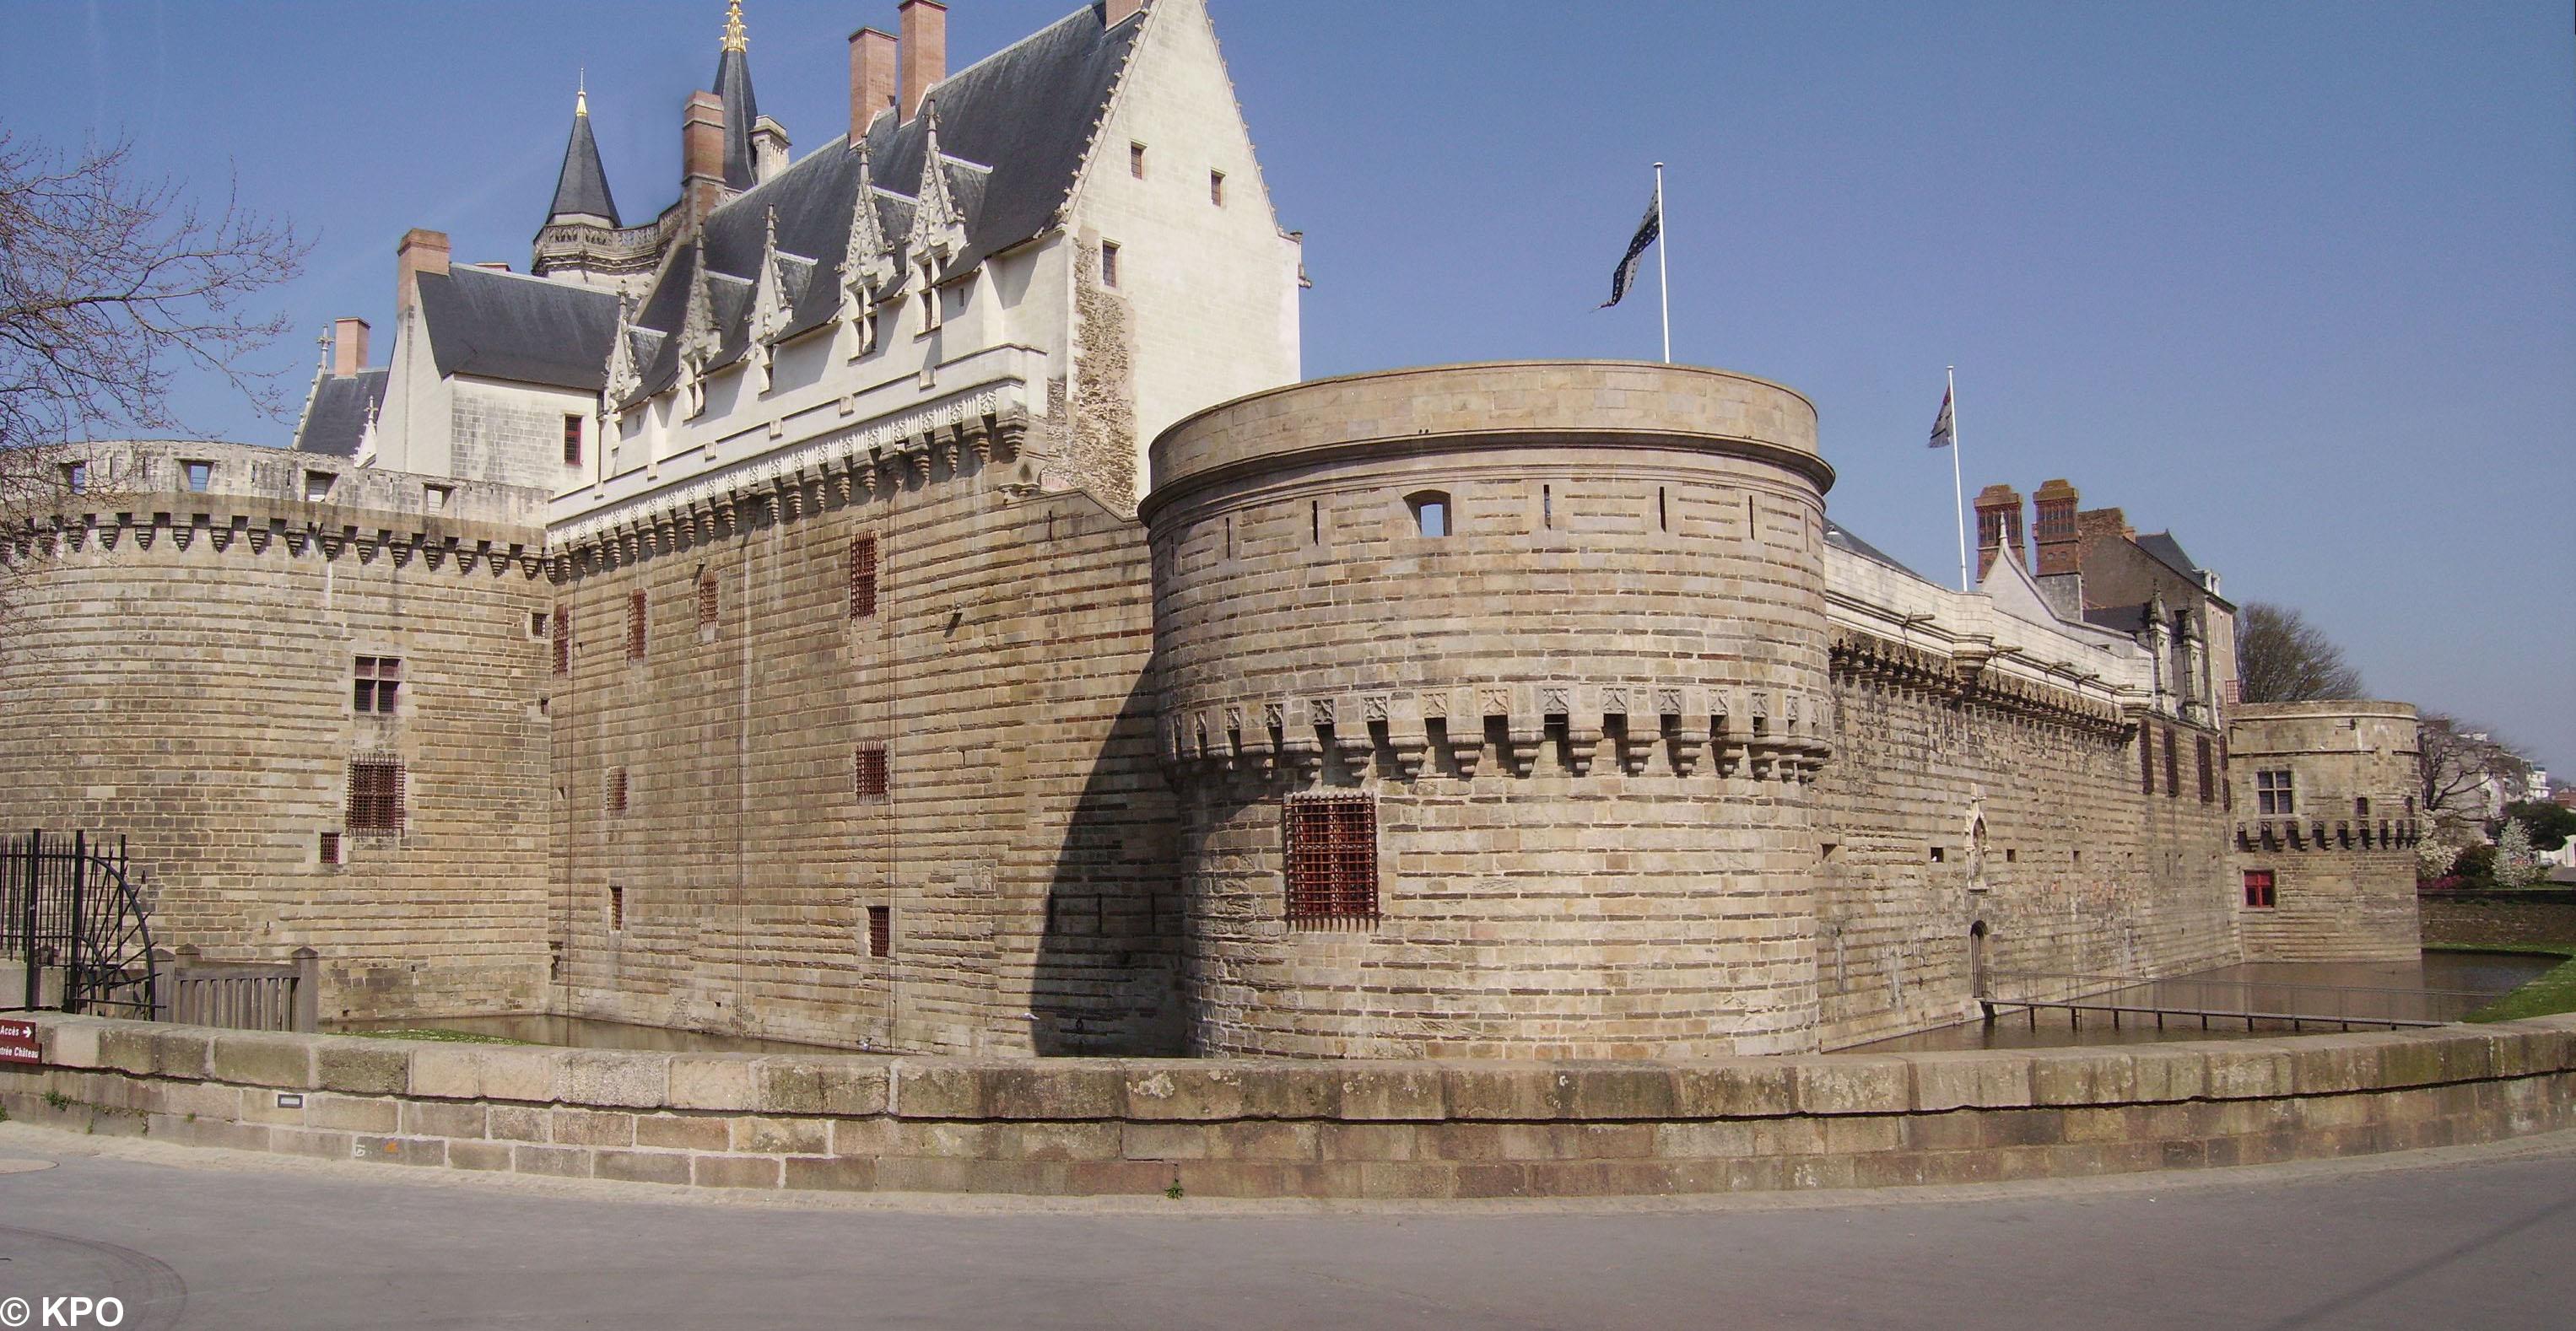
x=2462 y=1237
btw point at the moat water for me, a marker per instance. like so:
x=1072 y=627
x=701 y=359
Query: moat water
x=2441 y=986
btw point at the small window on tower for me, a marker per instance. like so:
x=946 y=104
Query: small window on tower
x=317 y=486
x=616 y=910
x=328 y=852
x=572 y=440
x=1136 y=160
x=2273 y=797
x=2258 y=889
x=1216 y=188
x=562 y=627
x=616 y=798
x=870 y=780
x=880 y=931
x=1331 y=859
x=76 y=477
x=635 y=626
x=1109 y=263
x=199 y=475
x=1430 y=512
x=436 y=496
x=378 y=681
x=707 y=605
x=537 y=624
x=863 y=577
x=375 y=795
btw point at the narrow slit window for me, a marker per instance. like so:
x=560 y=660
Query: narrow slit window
x=635 y=626
x=1136 y=160
x=563 y=640
x=616 y=910
x=1547 y=506
x=2173 y=769
x=1663 y=511
x=1216 y=188
x=617 y=791
x=1315 y=522
x=572 y=440
x=707 y=604
x=1332 y=859
x=1109 y=263
x=2207 y=759
x=863 y=577
x=1430 y=512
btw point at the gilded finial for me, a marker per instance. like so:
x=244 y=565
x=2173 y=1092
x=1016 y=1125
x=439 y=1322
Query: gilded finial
x=581 y=93
x=734 y=40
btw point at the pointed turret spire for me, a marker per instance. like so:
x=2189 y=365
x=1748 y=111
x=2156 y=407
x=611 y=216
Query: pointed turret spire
x=581 y=190
x=700 y=338
x=741 y=109
x=938 y=225
x=867 y=260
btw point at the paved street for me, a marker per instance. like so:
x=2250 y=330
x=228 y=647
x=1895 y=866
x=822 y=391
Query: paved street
x=2466 y=1238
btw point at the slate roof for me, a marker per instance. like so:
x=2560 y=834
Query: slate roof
x=528 y=330
x=1013 y=129
x=581 y=188
x=338 y=413
x=741 y=109
x=1840 y=539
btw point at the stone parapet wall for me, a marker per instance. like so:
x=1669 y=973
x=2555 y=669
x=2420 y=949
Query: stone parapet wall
x=1302 y=1128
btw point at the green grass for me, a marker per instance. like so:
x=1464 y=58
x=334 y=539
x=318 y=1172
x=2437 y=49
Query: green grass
x=434 y=1035
x=2552 y=992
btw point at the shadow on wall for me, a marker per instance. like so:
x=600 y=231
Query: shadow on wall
x=1107 y=971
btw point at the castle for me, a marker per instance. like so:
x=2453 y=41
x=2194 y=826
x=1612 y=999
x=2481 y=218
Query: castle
x=902 y=597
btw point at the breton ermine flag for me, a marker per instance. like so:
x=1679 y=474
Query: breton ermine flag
x=1648 y=231
x=1944 y=431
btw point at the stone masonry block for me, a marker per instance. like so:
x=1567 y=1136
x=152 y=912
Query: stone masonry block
x=1613 y=1092
x=1391 y=1093
x=343 y=1113
x=617 y=1077
x=780 y=1136
x=126 y=1049
x=2082 y=1076
x=716 y=1081
x=1853 y=1084
x=1736 y=1088
x=1046 y=1090
x=2248 y=1069
x=70 y=1043
x=1170 y=1090
x=1969 y=1079
x=734 y=1171
x=181 y=1051
x=264 y=1060
x=642 y=1166
x=684 y=1132
x=358 y=1066
x=1501 y=1091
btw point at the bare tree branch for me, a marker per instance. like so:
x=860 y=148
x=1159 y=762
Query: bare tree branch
x=2465 y=773
x=2281 y=657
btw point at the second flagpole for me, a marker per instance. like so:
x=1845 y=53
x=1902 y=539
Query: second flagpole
x=1663 y=274
x=1958 y=491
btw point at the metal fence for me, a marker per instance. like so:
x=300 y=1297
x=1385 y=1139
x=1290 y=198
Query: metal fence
x=2212 y=1001
x=73 y=916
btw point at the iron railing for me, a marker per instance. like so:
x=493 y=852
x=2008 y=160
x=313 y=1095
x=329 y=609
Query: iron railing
x=2210 y=1001
x=74 y=916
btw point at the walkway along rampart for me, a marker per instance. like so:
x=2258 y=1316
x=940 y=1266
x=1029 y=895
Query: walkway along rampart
x=1312 y=1128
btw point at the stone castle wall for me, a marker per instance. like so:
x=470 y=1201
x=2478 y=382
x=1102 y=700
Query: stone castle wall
x=1021 y=845
x=179 y=668
x=2342 y=861
x=1584 y=705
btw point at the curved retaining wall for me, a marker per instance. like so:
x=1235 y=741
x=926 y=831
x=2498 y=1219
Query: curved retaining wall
x=1298 y=1128
x=1581 y=711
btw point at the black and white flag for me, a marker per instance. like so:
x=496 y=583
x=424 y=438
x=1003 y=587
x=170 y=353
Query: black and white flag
x=1945 y=427
x=1648 y=232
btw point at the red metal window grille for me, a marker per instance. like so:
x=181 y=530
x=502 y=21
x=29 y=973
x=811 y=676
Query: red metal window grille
x=635 y=626
x=880 y=931
x=617 y=790
x=2173 y=769
x=863 y=577
x=870 y=780
x=563 y=641
x=2258 y=888
x=1332 y=859
x=2146 y=759
x=572 y=441
x=330 y=848
x=379 y=679
x=706 y=600
x=375 y=795
x=2208 y=772
x=616 y=910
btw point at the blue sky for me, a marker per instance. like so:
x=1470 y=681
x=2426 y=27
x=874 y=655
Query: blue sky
x=2297 y=281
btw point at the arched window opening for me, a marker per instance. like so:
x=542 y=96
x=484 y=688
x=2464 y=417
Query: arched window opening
x=1430 y=512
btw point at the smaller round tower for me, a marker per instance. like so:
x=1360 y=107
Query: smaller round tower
x=1493 y=693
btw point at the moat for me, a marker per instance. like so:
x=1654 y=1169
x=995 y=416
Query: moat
x=2441 y=986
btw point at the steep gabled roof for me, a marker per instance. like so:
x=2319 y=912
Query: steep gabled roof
x=581 y=188
x=733 y=84
x=338 y=413
x=528 y=330
x=1013 y=129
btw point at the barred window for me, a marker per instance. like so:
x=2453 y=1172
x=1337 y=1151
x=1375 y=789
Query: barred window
x=635 y=626
x=563 y=640
x=617 y=790
x=880 y=931
x=375 y=795
x=863 y=577
x=616 y=909
x=328 y=852
x=870 y=780
x=2208 y=772
x=2272 y=796
x=707 y=599
x=379 y=679
x=1332 y=859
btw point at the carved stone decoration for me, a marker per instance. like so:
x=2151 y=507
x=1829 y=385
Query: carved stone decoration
x=1524 y=738
x=938 y=225
x=770 y=311
x=1464 y=738
x=868 y=264
x=700 y=339
x=1686 y=743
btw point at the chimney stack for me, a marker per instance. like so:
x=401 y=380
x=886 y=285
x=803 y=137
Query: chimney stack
x=1116 y=11
x=1998 y=527
x=348 y=347
x=925 y=51
x=2060 y=548
x=702 y=169
x=420 y=252
x=872 y=78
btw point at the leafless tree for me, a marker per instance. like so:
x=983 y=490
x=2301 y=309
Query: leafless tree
x=110 y=287
x=2465 y=773
x=2281 y=657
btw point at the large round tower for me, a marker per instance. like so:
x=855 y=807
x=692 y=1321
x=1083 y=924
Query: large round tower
x=1493 y=693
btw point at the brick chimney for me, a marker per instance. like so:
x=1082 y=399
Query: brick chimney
x=1116 y=11
x=872 y=78
x=348 y=347
x=925 y=51
x=1998 y=527
x=702 y=171
x=2059 y=548
x=420 y=252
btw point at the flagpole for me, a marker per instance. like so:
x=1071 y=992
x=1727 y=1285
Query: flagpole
x=1663 y=274
x=1958 y=491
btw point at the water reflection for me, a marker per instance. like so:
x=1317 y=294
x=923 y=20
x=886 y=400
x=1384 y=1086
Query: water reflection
x=2441 y=986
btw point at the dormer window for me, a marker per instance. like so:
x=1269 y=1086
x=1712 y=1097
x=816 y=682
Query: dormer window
x=929 y=298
